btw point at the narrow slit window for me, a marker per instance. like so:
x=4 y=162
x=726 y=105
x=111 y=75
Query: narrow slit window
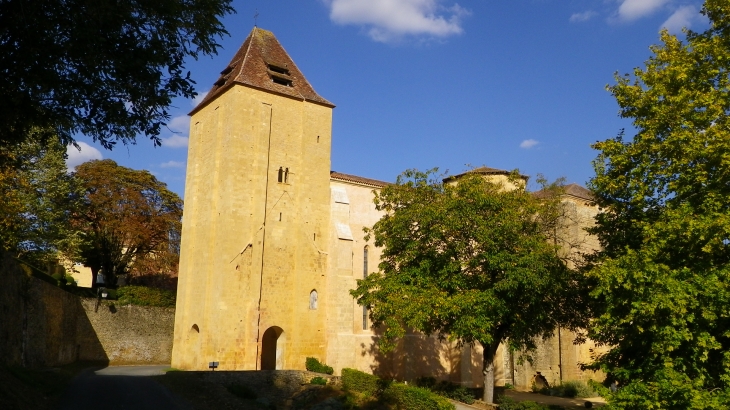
x=279 y=216
x=313 y=299
x=365 y=262
x=364 y=318
x=317 y=139
x=281 y=174
x=286 y=175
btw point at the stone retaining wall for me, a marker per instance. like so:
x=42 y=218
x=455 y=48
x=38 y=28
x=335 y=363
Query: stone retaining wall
x=41 y=325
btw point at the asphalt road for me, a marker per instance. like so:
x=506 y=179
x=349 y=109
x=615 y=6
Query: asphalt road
x=120 y=388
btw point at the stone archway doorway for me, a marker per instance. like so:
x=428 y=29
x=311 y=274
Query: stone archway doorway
x=272 y=349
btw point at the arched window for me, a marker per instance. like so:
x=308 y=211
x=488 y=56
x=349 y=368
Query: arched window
x=313 y=300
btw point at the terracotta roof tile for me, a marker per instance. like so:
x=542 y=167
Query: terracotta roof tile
x=579 y=192
x=572 y=190
x=484 y=171
x=338 y=176
x=262 y=63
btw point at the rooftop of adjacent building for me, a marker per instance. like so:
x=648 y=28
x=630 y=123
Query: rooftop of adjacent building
x=573 y=189
x=262 y=63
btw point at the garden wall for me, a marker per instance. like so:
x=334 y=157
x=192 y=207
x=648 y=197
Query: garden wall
x=41 y=325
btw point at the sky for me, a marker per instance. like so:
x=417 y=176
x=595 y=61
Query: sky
x=518 y=84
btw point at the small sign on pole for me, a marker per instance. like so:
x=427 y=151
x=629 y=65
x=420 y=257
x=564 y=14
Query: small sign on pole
x=213 y=365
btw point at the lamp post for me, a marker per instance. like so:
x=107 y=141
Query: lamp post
x=101 y=292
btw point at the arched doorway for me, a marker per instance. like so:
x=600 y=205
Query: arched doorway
x=272 y=349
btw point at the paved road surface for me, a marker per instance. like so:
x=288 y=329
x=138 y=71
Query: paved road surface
x=120 y=388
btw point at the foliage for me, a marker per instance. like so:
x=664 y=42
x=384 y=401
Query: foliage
x=470 y=259
x=105 y=69
x=314 y=365
x=505 y=403
x=360 y=382
x=447 y=389
x=415 y=398
x=581 y=388
x=663 y=277
x=11 y=206
x=320 y=381
x=242 y=391
x=41 y=198
x=130 y=220
x=142 y=296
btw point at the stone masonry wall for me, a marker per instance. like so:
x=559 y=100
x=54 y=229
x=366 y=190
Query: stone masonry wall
x=42 y=325
x=132 y=334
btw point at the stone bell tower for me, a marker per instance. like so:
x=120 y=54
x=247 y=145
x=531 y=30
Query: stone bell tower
x=254 y=245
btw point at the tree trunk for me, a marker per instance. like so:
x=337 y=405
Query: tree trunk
x=488 y=371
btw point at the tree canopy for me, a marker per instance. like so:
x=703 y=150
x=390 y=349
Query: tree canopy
x=107 y=69
x=663 y=277
x=39 y=199
x=128 y=217
x=470 y=260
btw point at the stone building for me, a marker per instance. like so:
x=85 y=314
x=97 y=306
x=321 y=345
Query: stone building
x=272 y=240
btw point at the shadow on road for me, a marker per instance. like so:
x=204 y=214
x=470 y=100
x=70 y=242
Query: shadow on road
x=121 y=388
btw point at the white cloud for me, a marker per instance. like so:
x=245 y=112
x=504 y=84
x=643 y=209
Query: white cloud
x=527 y=144
x=390 y=20
x=584 y=16
x=76 y=157
x=201 y=94
x=180 y=126
x=634 y=9
x=176 y=141
x=172 y=164
x=682 y=17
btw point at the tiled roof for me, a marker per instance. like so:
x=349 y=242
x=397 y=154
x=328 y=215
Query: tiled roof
x=572 y=190
x=338 y=176
x=579 y=192
x=484 y=171
x=262 y=63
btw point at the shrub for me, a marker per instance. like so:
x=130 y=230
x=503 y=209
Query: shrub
x=360 y=382
x=446 y=389
x=144 y=296
x=505 y=403
x=314 y=365
x=320 y=381
x=415 y=398
x=241 y=391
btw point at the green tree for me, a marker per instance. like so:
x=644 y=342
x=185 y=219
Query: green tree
x=663 y=277
x=128 y=218
x=40 y=198
x=107 y=69
x=469 y=260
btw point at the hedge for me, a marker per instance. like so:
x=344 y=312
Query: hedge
x=357 y=381
x=403 y=396
x=144 y=296
x=415 y=398
x=314 y=365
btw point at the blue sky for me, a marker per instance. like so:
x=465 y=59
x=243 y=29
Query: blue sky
x=436 y=83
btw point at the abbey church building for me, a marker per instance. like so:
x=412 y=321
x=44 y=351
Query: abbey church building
x=272 y=240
